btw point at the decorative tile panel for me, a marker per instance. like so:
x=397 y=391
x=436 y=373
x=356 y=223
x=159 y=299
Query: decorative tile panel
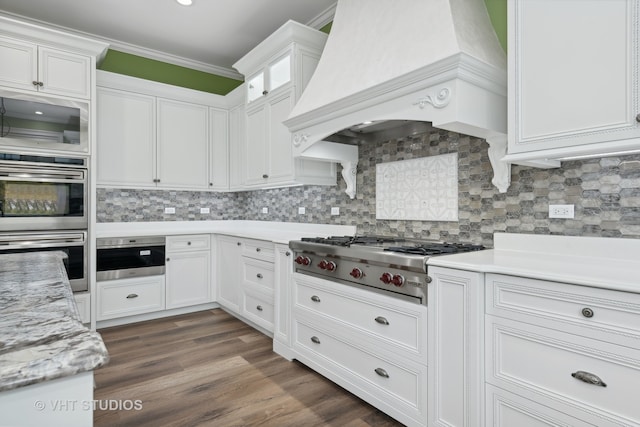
x=424 y=189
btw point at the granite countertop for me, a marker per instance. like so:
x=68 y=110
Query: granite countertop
x=41 y=334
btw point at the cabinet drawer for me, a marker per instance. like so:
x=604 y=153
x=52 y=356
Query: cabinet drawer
x=531 y=359
x=399 y=324
x=259 y=249
x=391 y=380
x=192 y=242
x=258 y=273
x=604 y=314
x=118 y=298
x=257 y=309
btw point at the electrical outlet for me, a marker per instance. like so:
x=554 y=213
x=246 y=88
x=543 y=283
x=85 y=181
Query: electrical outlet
x=265 y=210
x=169 y=210
x=561 y=211
x=302 y=211
x=204 y=210
x=335 y=211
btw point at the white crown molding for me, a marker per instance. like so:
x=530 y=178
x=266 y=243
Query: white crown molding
x=323 y=18
x=136 y=50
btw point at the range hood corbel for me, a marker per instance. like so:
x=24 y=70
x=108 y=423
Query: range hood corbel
x=436 y=61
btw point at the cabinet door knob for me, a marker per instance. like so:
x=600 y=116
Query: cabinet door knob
x=382 y=320
x=238 y=243
x=188 y=243
x=168 y=259
x=315 y=298
x=588 y=378
x=259 y=276
x=287 y=253
x=638 y=118
x=259 y=308
x=382 y=372
x=131 y=296
x=211 y=184
x=258 y=249
x=265 y=176
x=35 y=83
x=315 y=339
x=587 y=312
x=264 y=92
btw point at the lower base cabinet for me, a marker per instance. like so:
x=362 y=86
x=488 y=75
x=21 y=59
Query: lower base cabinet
x=128 y=297
x=188 y=271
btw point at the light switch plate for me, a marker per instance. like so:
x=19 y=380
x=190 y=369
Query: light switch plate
x=265 y=210
x=561 y=211
x=204 y=210
x=302 y=211
x=169 y=210
x=335 y=211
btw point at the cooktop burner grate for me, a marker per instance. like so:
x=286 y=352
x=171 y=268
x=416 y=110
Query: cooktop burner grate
x=435 y=249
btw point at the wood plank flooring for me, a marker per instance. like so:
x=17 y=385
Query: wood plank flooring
x=210 y=369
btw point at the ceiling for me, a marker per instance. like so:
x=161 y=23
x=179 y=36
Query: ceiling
x=210 y=35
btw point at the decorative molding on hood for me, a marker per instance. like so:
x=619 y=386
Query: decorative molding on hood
x=435 y=61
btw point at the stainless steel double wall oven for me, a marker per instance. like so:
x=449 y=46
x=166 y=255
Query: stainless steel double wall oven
x=43 y=206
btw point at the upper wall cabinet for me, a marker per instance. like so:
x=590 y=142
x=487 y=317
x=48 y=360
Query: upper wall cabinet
x=277 y=71
x=148 y=141
x=37 y=68
x=573 y=80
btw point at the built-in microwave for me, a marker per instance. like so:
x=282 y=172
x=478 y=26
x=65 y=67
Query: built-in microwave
x=41 y=123
x=41 y=192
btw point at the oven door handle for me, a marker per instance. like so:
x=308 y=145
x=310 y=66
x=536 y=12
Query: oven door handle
x=23 y=240
x=12 y=173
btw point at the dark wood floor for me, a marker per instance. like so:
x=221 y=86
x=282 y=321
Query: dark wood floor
x=210 y=369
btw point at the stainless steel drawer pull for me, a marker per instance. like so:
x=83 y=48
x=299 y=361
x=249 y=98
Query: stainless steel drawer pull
x=130 y=296
x=315 y=298
x=588 y=378
x=382 y=372
x=382 y=320
x=587 y=312
x=315 y=339
x=259 y=275
x=259 y=308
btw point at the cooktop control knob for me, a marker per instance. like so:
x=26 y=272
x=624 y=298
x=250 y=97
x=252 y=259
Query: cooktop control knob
x=322 y=264
x=331 y=266
x=397 y=280
x=386 y=278
x=303 y=260
x=356 y=273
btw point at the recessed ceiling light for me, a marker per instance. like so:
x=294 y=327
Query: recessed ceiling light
x=39 y=113
x=185 y=2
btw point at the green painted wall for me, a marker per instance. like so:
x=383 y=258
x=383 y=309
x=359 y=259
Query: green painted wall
x=149 y=69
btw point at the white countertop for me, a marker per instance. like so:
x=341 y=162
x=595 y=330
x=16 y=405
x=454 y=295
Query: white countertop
x=609 y=263
x=277 y=232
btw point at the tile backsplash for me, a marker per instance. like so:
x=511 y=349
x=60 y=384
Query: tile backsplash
x=605 y=192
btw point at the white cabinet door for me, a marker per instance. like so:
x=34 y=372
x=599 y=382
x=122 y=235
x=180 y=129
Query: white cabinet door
x=456 y=346
x=280 y=148
x=126 y=138
x=187 y=278
x=219 y=149
x=256 y=151
x=573 y=76
x=229 y=272
x=18 y=64
x=31 y=67
x=282 y=296
x=64 y=73
x=237 y=133
x=182 y=144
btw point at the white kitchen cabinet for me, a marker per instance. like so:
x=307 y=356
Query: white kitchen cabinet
x=373 y=345
x=126 y=149
x=152 y=135
x=182 y=145
x=219 y=149
x=229 y=271
x=283 y=270
x=237 y=136
x=188 y=270
x=83 y=303
x=128 y=297
x=33 y=67
x=278 y=70
x=574 y=349
x=573 y=79
x=456 y=345
x=258 y=282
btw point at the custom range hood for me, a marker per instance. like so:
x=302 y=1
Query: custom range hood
x=436 y=61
